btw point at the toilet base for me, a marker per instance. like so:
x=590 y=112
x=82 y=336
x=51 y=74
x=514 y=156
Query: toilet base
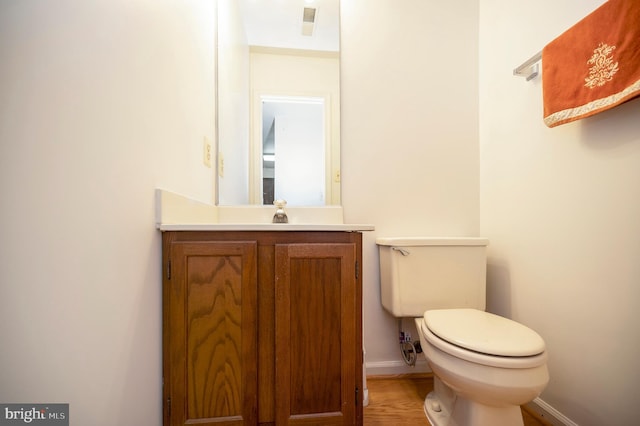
x=437 y=414
x=443 y=408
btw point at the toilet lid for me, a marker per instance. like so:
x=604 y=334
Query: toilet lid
x=484 y=332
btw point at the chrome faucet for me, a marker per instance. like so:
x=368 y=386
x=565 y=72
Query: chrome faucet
x=281 y=215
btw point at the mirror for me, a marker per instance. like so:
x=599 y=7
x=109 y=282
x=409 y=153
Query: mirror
x=278 y=102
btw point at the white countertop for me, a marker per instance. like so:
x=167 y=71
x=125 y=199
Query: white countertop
x=266 y=227
x=175 y=212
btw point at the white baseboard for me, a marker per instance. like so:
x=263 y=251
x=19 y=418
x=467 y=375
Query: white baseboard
x=549 y=413
x=390 y=368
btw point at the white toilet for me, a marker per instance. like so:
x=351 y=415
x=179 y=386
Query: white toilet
x=485 y=366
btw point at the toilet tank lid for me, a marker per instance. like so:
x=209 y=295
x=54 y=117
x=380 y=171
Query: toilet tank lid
x=431 y=241
x=484 y=332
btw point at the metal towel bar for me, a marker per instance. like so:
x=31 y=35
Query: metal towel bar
x=529 y=68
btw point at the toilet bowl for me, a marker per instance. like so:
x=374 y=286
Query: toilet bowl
x=485 y=367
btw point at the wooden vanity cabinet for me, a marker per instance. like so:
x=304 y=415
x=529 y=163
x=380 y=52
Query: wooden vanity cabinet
x=262 y=328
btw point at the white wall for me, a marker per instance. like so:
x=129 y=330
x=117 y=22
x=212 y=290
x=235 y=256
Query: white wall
x=410 y=134
x=561 y=209
x=100 y=103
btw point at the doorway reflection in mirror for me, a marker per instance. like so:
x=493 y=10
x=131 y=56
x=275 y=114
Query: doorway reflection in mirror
x=293 y=150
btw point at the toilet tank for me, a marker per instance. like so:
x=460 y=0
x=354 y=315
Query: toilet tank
x=419 y=274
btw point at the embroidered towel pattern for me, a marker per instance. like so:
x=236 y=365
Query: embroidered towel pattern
x=594 y=65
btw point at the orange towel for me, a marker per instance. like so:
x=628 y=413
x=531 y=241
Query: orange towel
x=594 y=65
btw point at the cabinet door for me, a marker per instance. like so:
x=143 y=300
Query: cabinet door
x=316 y=334
x=210 y=349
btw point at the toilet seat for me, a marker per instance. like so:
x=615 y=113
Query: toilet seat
x=484 y=332
x=483 y=338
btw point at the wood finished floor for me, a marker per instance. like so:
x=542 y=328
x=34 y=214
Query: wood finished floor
x=397 y=400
